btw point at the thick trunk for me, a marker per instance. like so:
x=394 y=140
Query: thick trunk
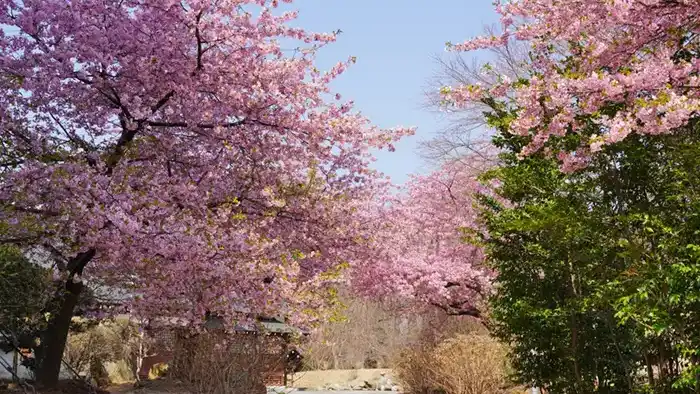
x=53 y=340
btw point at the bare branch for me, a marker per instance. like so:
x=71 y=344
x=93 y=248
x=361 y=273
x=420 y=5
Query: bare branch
x=466 y=131
x=457 y=309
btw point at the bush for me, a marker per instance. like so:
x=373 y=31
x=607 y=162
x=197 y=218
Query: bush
x=464 y=364
x=217 y=364
x=24 y=291
x=91 y=349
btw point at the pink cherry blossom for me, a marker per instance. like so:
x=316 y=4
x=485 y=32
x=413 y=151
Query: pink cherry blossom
x=421 y=248
x=629 y=52
x=204 y=166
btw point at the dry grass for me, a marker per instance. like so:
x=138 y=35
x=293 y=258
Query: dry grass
x=111 y=342
x=163 y=386
x=465 y=364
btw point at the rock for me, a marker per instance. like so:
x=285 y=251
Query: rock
x=332 y=387
x=157 y=371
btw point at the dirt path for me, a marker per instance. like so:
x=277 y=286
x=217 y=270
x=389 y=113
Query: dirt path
x=340 y=379
x=311 y=382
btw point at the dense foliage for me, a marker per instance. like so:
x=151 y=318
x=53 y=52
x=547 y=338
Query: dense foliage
x=171 y=150
x=23 y=295
x=597 y=265
x=419 y=252
x=598 y=279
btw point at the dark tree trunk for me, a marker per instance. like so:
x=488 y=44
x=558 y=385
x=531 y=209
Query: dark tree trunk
x=15 y=366
x=650 y=370
x=53 y=340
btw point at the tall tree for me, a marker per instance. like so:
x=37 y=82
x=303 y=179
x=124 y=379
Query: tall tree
x=597 y=269
x=172 y=149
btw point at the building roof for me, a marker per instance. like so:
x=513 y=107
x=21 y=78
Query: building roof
x=265 y=325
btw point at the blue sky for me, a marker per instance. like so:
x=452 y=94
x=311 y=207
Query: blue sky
x=395 y=43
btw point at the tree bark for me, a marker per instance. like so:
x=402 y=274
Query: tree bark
x=574 y=328
x=574 y=350
x=54 y=338
x=650 y=370
x=15 y=365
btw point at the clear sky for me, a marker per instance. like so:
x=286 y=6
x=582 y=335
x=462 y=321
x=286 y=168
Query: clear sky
x=395 y=42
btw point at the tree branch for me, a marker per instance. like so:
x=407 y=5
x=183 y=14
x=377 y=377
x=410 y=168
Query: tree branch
x=199 y=42
x=197 y=125
x=457 y=309
x=162 y=101
x=35 y=211
x=76 y=264
x=128 y=133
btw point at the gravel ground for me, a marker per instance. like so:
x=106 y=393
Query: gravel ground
x=340 y=392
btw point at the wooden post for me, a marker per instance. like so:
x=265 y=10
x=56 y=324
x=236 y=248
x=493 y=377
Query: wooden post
x=284 y=357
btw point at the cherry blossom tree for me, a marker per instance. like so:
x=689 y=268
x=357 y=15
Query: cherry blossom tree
x=601 y=70
x=425 y=246
x=174 y=150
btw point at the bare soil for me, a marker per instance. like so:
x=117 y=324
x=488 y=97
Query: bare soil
x=345 y=378
x=64 y=387
x=160 y=386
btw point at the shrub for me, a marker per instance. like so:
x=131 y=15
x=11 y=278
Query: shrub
x=464 y=364
x=90 y=349
x=217 y=364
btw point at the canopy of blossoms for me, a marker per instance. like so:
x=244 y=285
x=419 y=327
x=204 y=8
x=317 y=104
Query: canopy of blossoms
x=175 y=150
x=602 y=69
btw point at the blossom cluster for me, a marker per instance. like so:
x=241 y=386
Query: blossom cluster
x=426 y=243
x=638 y=57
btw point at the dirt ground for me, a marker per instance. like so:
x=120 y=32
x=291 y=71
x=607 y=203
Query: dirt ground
x=64 y=387
x=309 y=380
x=345 y=378
x=149 y=387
